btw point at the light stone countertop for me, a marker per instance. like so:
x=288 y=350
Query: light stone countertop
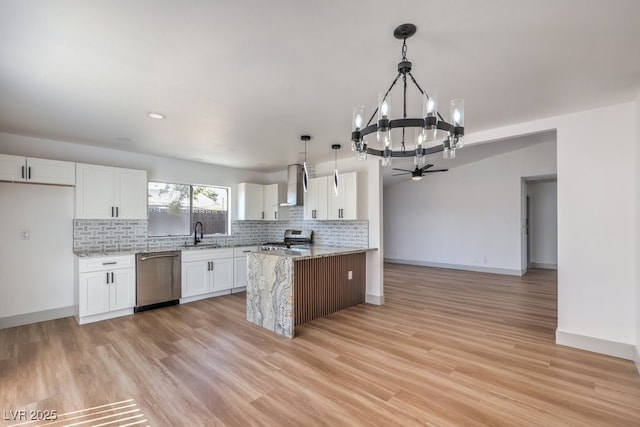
x=91 y=254
x=313 y=252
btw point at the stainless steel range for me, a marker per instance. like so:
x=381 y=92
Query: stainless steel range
x=292 y=239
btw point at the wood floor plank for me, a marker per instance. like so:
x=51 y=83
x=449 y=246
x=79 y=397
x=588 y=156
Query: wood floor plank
x=448 y=348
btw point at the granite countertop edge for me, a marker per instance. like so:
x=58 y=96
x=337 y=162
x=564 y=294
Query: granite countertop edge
x=314 y=252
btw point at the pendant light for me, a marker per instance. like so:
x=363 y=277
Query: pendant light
x=335 y=148
x=305 y=175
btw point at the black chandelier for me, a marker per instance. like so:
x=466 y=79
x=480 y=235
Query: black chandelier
x=430 y=127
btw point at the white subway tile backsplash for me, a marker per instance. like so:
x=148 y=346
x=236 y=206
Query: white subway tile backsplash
x=118 y=235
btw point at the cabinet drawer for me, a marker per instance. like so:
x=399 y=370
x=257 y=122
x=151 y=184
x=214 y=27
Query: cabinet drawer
x=87 y=265
x=243 y=250
x=206 y=254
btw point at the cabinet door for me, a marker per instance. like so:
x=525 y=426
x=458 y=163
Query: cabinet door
x=270 y=202
x=93 y=293
x=122 y=289
x=240 y=272
x=315 y=201
x=51 y=171
x=250 y=201
x=196 y=278
x=222 y=274
x=344 y=205
x=349 y=189
x=130 y=193
x=94 y=192
x=12 y=168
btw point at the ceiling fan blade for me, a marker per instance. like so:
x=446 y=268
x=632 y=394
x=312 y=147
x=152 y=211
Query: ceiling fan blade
x=425 y=167
x=437 y=170
x=398 y=174
x=403 y=170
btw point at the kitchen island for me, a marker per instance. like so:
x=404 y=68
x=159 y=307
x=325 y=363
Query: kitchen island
x=289 y=287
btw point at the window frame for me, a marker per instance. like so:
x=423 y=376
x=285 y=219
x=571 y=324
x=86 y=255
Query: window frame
x=191 y=223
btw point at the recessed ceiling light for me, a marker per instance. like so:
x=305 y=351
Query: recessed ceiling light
x=157 y=116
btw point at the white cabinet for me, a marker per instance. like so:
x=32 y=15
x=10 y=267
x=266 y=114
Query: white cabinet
x=240 y=266
x=104 y=192
x=37 y=171
x=316 y=199
x=205 y=271
x=105 y=287
x=273 y=195
x=250 y=201
x=258 y=202
x=344 y=205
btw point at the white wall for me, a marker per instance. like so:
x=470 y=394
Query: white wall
x=468 y=217
x=637 y=257
x=543 y=223
x=36 y=274
x=596 y=225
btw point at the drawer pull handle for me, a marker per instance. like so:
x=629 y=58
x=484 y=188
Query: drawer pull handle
x=109 y=263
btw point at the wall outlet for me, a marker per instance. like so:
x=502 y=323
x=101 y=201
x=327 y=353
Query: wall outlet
x=350 y=275
x=25 y=235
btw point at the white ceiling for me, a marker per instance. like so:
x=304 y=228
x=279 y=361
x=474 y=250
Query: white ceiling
x=240 y=81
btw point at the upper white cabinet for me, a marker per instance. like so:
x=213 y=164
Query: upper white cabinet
x=250 y=201
x=273 y=195
x=344 y=205
x=37 y=171
x=257 y=201
x=316 y=199
x=321 y=202
x=105 y=192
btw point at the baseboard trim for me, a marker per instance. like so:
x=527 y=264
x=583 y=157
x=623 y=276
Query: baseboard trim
x=545 y=266
x=38 y=316
x=374 y=299
x=596 y=345
x=638 y=359
x=475 y=268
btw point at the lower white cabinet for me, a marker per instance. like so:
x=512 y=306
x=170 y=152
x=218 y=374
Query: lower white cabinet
x=106 y=287
x=206 y=271
x=240 y=266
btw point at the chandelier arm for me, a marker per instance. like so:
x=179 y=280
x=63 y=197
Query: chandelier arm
x=423 y=93
x=385 y=97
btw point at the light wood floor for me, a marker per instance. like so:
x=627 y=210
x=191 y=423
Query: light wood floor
x=447 y=348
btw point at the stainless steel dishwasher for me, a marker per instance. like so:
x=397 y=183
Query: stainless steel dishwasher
x=157 y=280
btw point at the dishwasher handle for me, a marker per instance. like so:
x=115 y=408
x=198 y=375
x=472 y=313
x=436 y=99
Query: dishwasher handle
x=144 y=258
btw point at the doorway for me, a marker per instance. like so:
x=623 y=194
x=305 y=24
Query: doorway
x=539 y=223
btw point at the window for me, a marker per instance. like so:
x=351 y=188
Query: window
x=174 y=208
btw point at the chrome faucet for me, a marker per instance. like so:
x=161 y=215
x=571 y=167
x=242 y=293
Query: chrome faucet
x=195 y=233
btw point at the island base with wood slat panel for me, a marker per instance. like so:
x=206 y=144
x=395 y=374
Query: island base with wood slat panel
x=286 y=287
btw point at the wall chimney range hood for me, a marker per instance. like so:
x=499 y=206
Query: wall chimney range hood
x=295 y=191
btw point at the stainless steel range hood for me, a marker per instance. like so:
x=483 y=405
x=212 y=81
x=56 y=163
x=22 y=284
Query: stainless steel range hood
x=295 y=192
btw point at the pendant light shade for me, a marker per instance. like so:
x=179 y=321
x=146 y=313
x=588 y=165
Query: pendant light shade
x=335 y=148
x=305 y=171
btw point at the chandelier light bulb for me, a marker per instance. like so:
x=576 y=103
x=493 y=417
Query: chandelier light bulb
x=358 y=121
x=384 y=109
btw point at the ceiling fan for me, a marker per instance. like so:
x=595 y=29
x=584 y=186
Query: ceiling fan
x=416 y=174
